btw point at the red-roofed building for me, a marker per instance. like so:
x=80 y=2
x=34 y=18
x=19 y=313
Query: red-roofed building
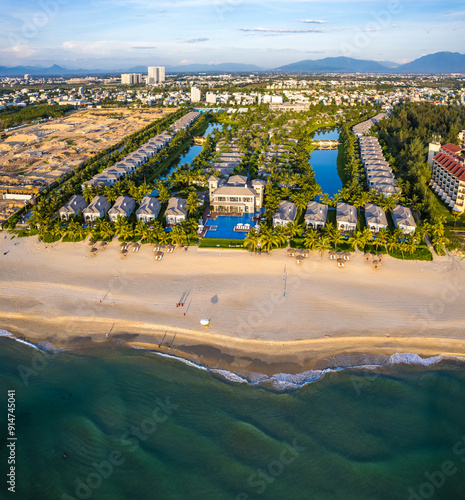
x=448 y=177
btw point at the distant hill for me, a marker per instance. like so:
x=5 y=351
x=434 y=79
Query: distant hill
x=214 y=68
x=440 y=62
x=334 y=65
x=54 y=70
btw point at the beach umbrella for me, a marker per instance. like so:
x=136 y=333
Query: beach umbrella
x=299 y=258
x=290 y=252
x=367 y=256
x=346 y=255
x=376 y=264
x=340 y=262
x=158 y=255
x=332 y=255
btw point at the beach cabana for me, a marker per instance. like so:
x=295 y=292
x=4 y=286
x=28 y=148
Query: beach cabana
x=346 y=255
x=158 y=255
x=332 y=255
x=340 y=262
x=299 y=259
x=291 y=252
x=376 y=264
x=367 y=256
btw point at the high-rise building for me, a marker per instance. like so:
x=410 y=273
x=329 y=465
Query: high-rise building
x=131 y=78
x=196 y=94
x=156 y=74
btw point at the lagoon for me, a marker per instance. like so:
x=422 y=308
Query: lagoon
x=324 y=163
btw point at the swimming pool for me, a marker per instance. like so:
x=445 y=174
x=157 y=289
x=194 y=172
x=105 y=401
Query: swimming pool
x=225 y=226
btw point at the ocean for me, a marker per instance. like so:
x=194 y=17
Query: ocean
x=117 y=423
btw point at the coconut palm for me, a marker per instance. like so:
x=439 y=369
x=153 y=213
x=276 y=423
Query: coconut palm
x=163 y=193
x=105 y=230
x=126 y=232
x=142 y=231
x=88 y=193
x=281 y=233
x=311 y=239
x=300 y=200
x=192 y=203
x=383 y=236
x=251 y=240
x=268 y=239
x=178 y=236
x=322 y=245
x=110 y=193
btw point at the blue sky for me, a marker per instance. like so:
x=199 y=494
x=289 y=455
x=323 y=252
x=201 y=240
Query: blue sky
x=114 y=34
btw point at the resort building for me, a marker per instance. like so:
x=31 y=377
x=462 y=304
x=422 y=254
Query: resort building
x=98 y=207
x=346 y=217
x=175 y=212
x=123 y=207
x=448 y=177
x=403 y=219
x=286 y=213
x=375 y=217
x=75 y=203
x=316 y=214
x=236 y=195
x=149 y=209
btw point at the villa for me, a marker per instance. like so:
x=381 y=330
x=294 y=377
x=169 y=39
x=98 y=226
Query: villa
x=75 y=203
x=98 y=207
x=175 y=212
x=124 y=206
x=235 y=195
x=149 y=209
x=286 y=213
x=346 y=217
x=316 y=214
x=403 y=219
x=375 y=217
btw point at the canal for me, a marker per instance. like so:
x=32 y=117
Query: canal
x=324 y=163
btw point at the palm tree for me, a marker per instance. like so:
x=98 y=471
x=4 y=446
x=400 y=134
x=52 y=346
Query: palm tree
x=411 y=244
x=178 y=236
x=322 y=245
x=311 y=239
x=119 y=224
x=456 y=216
x=110 y=193
x=300 y=200
x=142 y=231
x=357 y=239
x=268 y=239
x=105 y=231
x=336 y=237
x=163 y=193
x=383 y=236
x=88 y=193
x=392 y=243
x=251 y=240
x=192 y=203
x=281 y=233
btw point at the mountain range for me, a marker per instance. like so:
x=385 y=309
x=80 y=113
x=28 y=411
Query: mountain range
x=440 y=62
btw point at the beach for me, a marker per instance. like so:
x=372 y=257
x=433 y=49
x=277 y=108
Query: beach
x=266 y=312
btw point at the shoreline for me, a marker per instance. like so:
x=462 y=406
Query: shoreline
x=328 y=317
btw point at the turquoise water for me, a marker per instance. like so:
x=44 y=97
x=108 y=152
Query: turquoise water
x=326 y=135
x=134 y=425
x=324 y=164
x=225 y=226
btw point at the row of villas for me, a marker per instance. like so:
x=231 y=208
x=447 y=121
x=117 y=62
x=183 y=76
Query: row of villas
x=448 y=177
x=124 y=206
x=379 y=174
x=346 y=216
x=141 y=155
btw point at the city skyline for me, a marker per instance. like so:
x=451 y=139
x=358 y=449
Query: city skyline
x=267 y=33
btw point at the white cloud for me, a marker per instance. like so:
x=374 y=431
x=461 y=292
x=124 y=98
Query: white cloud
x=313 y=21
x=281 y=31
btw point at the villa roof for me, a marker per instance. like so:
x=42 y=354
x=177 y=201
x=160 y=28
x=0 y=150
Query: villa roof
x=346 y=213
x=234 y=190
x=375 y=215
x=149 y=206
x=124 y=205
x=402 y=216
x=176 y=207
x=75 y=203
x=287 y=211
x=316 y=212
x=452 y=165
x=237 y=179
x=97 y=205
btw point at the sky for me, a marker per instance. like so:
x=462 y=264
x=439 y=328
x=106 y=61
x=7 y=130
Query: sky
x=120 y=34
